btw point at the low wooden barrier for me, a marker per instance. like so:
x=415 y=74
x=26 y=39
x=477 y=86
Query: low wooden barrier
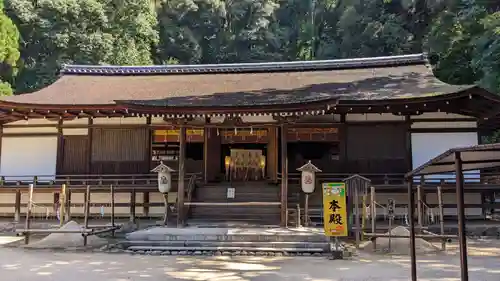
x=85 y=231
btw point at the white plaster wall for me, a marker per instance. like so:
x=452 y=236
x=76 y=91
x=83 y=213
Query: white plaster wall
x=327 y=118
x=120 y=121
x=76 y=132
x=20 y=130
x=426 y=146
x=374 y=117
x=440 y=125
x=25 y=157
x=39 y=121
x=438 y=115
x=76 y=121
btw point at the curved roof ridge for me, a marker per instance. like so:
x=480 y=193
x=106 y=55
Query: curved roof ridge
x=289 y=66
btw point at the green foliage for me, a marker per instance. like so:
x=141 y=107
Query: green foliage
x=465 y=43
x=5 y=89
x=9 y=51
x=57 y=32
x=461 y=36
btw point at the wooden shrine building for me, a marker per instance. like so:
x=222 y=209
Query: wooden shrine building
x=241 y=123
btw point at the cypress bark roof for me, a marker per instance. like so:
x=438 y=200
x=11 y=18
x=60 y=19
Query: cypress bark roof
x=248 y=84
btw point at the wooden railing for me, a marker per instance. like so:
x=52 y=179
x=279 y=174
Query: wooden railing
x=483 y=180
x=84 y=180
x=189 y=196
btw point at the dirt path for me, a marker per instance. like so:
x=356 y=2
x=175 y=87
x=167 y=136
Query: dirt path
x=20 y=265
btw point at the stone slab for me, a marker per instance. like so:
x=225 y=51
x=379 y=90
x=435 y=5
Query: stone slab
x=228 y=234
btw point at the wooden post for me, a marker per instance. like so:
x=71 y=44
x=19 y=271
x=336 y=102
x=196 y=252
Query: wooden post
x=462 y=232
x=356 y=214
x=306 y=210
x=182 y=172
x=145 y=201
x=89 y=145
x=112 y=190
x=373 y=210
x=297 y=223
x=68 y=204
x=441 y=216
x=28 y=213
x=363 y=215
x=419 y=206
x=284 y=174
x=17 y=208
x=411 y=218
x=86 y=212
x=62 y=205
x=165 y=211
x=60 y=148
x=132 y=206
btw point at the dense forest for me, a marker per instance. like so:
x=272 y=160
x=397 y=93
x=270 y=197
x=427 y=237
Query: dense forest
x=462 y=37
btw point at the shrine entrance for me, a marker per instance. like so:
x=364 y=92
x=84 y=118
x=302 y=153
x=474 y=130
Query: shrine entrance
x=244 y=162
x=244 y=154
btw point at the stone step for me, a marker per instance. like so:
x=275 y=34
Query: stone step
x=238 y=197
x=226 y=248
x=236 y=210
x=228 y=235
x=241 y=244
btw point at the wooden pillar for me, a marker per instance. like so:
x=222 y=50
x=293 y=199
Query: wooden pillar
x=182 y=172
x=284 y=174
x=462 y=232
x=147 y=151
x=132 y=205
x=212 y=157
x=145 y=198
x=343 y=144
x=89 y=147
x=17 y=210
x=272 y=154
x=1 y=140
x=206 y=154
x=411 y=219
x=60 y=147
x=68 y=204
x=409 y=154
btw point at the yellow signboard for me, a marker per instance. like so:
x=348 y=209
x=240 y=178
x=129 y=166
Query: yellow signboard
x=335 y=209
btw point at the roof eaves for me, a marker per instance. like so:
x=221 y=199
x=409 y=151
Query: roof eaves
x=481 y=147
x=292 y=66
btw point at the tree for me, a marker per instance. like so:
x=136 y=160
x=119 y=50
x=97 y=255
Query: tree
x=9 y=51
x=57 y=32
x=464 y=44
x=209 y=31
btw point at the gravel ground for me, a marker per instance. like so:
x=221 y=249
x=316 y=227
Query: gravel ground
x=21 y=264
